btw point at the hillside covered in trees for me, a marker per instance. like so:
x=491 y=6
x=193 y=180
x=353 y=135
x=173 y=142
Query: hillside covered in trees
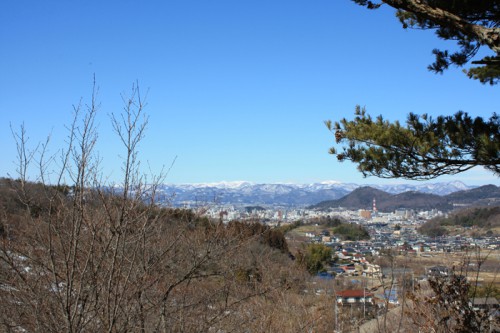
x=362 y=198
x=93 y=261
x=483 y=220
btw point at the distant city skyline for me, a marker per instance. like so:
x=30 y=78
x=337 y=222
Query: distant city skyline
x=236 y=90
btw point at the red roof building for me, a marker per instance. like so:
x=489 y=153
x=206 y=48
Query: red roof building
x=353 y=296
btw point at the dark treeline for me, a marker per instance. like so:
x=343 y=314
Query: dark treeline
x=485 y=218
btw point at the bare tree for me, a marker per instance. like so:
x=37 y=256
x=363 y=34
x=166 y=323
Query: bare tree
x=90 y=257
x=446 y=302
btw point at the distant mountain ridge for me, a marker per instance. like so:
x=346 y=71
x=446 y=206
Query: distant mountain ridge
x=362 y=198
x=285 y=194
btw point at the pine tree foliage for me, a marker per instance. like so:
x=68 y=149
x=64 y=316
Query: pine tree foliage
x=425 y=148
x=473 y=24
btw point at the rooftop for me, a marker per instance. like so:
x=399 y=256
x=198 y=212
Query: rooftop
x=354 y=293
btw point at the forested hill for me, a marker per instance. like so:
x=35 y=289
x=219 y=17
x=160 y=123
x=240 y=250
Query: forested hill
x=483 y=194
x=485 y=220
x=362 y=198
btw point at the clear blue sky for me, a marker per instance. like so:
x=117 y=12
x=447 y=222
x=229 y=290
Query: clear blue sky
x=238 y=90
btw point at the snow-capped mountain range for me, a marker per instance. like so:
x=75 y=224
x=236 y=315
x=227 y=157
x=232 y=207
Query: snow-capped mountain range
x=286 y=194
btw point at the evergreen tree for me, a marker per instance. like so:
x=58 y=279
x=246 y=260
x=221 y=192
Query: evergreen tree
x=425 y=148
x=472 y=23
x=314 y=256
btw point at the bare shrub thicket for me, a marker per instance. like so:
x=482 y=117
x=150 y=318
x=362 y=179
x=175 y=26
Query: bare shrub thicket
x=446 y=301
x=80 y=255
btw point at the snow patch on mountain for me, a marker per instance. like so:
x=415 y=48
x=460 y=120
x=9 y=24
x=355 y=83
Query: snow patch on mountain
x=289 y=194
